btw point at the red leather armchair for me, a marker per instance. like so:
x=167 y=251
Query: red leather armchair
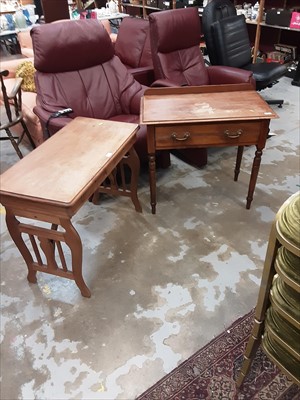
x=77 y=68
x=133 y=48
x=175 y=38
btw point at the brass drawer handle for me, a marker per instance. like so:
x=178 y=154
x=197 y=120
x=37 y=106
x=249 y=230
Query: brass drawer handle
x=185 y=136
x=233 y=135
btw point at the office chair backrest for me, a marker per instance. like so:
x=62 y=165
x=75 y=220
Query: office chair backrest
x=76 y=68
x=175 y=38
x=231 y=41
x=215 y=11
x=233 y=49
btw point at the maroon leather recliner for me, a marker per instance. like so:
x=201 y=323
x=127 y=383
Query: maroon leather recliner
x=77 y=68
x=133 y=48
x=175 y=38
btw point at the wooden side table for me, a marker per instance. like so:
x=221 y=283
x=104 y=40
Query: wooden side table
x=52 y=183
x=206 y=116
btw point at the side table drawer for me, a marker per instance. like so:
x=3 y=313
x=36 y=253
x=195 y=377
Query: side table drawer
x=207 y=134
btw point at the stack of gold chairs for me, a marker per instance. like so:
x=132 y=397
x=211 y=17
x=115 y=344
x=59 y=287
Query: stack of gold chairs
x=277 y=314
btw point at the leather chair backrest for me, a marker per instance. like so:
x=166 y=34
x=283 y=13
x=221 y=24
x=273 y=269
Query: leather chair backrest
x=175 y=38
x=133 y=43
x=215 y=11
x=231 y=39
x=76 y=68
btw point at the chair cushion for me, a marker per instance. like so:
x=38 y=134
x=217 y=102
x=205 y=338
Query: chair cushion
x=266 y=73
x=69 y=51
x=101 y=91
x=184 y=67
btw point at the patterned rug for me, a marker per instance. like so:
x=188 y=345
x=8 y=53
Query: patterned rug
x=211 y=373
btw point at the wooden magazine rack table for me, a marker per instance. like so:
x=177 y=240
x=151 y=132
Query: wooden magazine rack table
x=205 y=116
x=52 y=183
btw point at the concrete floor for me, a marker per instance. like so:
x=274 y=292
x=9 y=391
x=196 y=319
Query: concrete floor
x=162 y=285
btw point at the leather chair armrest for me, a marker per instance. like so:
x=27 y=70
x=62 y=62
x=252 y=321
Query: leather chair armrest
x=55 y=124
x=144 y=75
x=16 y=88
x=164 y=83
x=219 y=74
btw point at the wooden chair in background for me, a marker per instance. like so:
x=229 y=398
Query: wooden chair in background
x=11 y=114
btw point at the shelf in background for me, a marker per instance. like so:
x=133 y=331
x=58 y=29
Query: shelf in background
x=140 y=6
x=272 y=26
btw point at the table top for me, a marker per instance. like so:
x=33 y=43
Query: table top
x=61 y=169
x=189 y=104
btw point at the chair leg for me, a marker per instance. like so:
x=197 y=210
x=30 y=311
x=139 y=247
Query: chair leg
x=279 y=102
x=239 y=157
x=134 y=164
x=27 y=133
x=263 y=303
x=296 y=80
x=13 y=142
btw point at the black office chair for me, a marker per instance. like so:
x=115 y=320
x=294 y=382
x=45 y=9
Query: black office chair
x=214 y=11
x=227 y=42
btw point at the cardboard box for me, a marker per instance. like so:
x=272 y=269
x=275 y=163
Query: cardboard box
x=275 y=56
x=287 y=49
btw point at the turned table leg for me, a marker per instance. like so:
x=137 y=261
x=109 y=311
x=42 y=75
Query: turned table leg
x=254 y=174
x=239 y=157
x=152 y=179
